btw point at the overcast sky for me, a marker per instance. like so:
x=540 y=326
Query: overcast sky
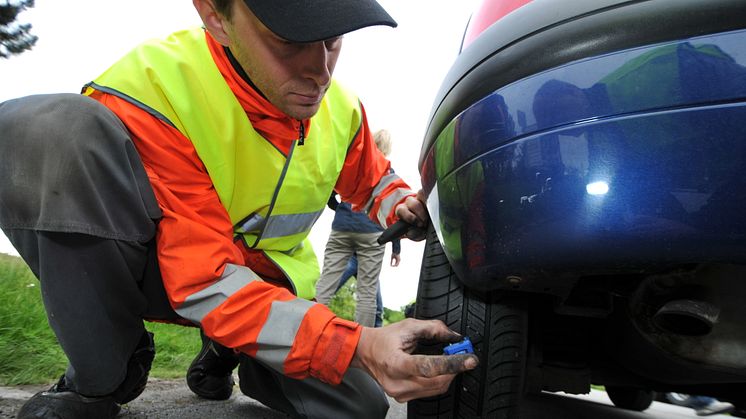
x=396 y=73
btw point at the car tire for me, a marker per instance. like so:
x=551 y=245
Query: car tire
x=497 y=326
x=630 y=398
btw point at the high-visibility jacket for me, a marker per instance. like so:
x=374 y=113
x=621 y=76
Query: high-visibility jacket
x=258 y=194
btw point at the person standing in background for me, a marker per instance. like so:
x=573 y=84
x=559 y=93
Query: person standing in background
x=702 y=405
x=351 y=271
x=354 y=237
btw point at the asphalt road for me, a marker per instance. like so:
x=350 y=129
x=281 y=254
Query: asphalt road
x=164 y=399
x=172 y=400
x=598 y=406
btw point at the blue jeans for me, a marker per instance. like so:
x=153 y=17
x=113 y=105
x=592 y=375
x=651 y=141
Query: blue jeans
x=694 y=402
x=347 y=274
x=697 y=402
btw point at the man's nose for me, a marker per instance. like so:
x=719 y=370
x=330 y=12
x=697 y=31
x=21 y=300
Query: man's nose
x=316 y=63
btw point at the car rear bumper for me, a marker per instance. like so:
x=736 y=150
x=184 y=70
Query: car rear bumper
x=623 y=162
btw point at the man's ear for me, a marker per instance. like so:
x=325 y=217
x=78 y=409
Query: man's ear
x=213 y=20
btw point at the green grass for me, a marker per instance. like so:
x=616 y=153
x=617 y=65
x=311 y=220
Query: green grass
x=343 y=302
x=30 y=352
x=343 y=305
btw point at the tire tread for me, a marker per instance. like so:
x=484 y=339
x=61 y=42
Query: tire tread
x=497 y=327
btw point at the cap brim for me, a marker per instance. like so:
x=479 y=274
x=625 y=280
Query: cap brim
x=316 y=20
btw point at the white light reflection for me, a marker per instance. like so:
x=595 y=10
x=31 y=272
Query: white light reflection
x=597 y=188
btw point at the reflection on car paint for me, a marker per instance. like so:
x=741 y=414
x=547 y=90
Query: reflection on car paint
x=661 y=127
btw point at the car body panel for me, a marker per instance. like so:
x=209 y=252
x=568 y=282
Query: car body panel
x=545 y=34
x=588 y=158
x=516 y=169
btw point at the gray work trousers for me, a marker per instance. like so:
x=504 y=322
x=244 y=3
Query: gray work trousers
x=76 y=203
x=339 y=249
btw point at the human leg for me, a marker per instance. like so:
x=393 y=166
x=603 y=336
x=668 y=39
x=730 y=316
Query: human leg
x=68 y=165
x=79 y=210
x=696 y=402
x=702 y=405
x=369 y=257
x=358 y=396
x=706 y=406
x=93 y=303
x=338 y=251
x=714 y=408
x=379 y=307
x=349 y=272
x=679 y=399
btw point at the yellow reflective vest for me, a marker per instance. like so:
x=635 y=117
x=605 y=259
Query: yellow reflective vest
x=273 y=200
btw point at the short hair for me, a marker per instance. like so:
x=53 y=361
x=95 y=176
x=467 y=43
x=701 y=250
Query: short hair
x=383 y=141
x=224 y=7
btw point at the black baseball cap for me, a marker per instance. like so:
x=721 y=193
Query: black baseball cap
x=316 y=20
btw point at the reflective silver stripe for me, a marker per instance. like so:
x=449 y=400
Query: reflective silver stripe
x=132 y=101
x=278 y=334
x=255 y=223
x=199 y=304
x=287 y=225
x=382 y=184
x=388 y=204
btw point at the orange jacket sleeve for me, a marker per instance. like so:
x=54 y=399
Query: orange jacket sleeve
x=366 y=180
x=195 y=245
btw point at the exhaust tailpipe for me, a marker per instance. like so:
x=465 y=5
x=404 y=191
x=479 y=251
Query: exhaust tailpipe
x=687 y=317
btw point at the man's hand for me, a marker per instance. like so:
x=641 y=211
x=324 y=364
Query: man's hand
x=385 y=354
x=414 y=211
x=395 y=259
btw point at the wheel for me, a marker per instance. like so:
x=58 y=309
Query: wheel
x=497 y=326
x=630 y=398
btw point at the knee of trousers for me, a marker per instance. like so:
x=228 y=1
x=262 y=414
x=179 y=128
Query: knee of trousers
x=368 y=399
x=63 y=135
x=357 y=396
x=67 y=160
x=44 y=120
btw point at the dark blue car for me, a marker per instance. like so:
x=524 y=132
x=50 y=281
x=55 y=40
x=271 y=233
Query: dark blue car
x=585 y=167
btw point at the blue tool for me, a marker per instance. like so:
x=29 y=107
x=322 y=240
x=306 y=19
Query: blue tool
x=463 y=347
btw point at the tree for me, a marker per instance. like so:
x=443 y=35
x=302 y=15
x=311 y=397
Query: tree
x=14 y=37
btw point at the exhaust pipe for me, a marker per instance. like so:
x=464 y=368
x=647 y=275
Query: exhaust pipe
x=687 y=317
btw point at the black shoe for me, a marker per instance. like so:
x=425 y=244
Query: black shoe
x=211 y=373
x=59 y=402
x=138 y=370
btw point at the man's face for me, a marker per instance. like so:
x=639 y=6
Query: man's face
x=294 y=77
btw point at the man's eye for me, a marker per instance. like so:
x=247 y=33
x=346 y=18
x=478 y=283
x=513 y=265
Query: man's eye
x=288 y=46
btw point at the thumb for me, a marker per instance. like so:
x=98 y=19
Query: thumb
x=432 y=366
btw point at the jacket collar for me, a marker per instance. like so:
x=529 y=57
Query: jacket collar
x=265 y=117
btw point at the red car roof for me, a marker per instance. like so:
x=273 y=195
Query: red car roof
x=489 y=12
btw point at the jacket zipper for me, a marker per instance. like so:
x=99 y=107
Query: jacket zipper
x=301 y=134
